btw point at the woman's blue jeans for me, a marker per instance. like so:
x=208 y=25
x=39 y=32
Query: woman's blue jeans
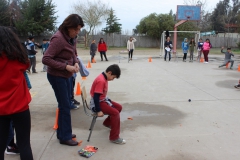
x=62 y=87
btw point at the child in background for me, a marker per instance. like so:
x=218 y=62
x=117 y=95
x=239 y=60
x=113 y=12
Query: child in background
x=192 y=45
x=185 y=47
x=200 y=45
x=44 y=47
x=93 y=49
x=168 y=48
x=101 y=104
x=228 y=55
x=206 y=48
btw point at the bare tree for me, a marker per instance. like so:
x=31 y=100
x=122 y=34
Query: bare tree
x=92 y=13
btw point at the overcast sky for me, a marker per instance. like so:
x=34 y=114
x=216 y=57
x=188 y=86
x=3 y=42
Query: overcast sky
x=130 y=12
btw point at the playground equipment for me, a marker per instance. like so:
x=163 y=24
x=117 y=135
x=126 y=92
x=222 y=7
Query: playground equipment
x=184 y=13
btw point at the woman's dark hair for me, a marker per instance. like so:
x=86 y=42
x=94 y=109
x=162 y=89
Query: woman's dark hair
x=100 y=40
x=72 y=21
x=192 y=42
x=208 y=40
x=114 y=68
x=11 y=46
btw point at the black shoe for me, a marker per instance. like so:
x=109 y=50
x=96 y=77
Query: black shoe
x=74 y=136
x=106 y=60
x=74 y=101
x=12 y=149
x=237 y=86
x=34 y=72
x=101 y=60
x=69 y=142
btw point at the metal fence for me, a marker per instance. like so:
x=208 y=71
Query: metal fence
x=118 y=40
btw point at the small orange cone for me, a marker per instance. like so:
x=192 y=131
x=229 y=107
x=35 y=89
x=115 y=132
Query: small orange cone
x=201 y=60
x=56 y=120
x=150 y=59
x=84 y=78
x=239 y=68
x=78 y=92
x=93 y=60
x=89 y=65
x=227 y=65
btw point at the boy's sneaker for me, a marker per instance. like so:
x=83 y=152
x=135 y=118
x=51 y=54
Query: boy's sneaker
x=237 y=86
x=74 y=107
x=12 y=149
x=119 y=141
x=75 y=102
x=107 y=126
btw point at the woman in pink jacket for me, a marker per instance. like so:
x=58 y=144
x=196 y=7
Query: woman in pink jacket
x=206 y=48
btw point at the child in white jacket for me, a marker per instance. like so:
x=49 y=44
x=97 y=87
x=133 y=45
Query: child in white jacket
x=130 y=47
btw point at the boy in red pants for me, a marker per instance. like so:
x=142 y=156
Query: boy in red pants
x=101 y=104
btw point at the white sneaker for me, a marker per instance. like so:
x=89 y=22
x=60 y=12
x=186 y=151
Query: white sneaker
x=205 y=62
x=75 y=107
x=119 y=141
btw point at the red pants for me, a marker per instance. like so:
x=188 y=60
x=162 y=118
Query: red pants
x=205 y=53
x=113 y=119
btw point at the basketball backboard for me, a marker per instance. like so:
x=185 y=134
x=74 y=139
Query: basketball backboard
x=192 y=13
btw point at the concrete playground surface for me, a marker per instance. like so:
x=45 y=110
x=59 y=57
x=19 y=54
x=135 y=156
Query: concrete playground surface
x=164 y=125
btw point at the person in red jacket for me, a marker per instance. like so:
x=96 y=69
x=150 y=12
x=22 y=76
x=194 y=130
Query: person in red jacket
x=102 y=48
x=14 y=93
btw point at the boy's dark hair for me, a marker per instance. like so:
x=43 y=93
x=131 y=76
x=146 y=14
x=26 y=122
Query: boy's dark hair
x=114 y=68
x=72 y=21
x=11 y=46
x=228 y=48
x=30 y=37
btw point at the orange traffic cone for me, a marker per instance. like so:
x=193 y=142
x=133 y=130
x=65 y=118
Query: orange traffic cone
x=227 y=65
x=201 y=60
x=150 y=59
x=84 y=78
x=56 y=120
x=89 y=65
x=239 y=68
x=78 y=91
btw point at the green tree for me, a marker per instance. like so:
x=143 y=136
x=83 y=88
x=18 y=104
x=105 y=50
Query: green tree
x=219 y=16
x=112 y=26
x=37 y=17
x=92 y=13
x=153 y=25
x=4 y=13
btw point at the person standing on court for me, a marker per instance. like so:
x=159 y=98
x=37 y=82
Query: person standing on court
x=206 y=48
x=130 y=47
x=102 y=48
x=44 y=47
x=192 y=45
x=93 y=49
x=62 y=62
x=200 y=44
x=168 y=48
x=31 y=54
x=14 y=93
x=185 y=47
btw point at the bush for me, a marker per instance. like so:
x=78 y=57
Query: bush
x=238 y=44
